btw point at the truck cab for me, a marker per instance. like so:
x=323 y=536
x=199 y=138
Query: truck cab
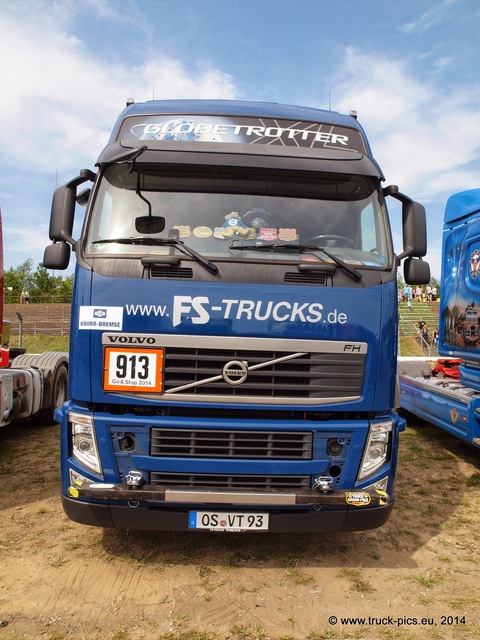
x=233 y=336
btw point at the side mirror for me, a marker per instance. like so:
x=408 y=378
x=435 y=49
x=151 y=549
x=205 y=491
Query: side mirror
x=57 y=256
x=416 y=271
x=414 y=224
x=63 y=208
x=83 y=196
x=62 y=214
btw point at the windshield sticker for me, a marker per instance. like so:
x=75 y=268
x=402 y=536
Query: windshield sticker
x=309 y=259
x=268 y=235
x=202 y=232
x=220 y=129
x=287 y=235
x=183 y=230
x=101 y=318
x=197 y=310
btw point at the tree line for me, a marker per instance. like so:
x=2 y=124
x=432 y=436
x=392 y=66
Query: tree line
x=40 y=285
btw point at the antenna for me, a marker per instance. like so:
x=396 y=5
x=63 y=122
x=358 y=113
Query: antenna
x=329 y=99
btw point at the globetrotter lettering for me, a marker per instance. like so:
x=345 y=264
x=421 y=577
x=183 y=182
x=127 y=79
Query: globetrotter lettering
x=183 y=128
x=199 y=310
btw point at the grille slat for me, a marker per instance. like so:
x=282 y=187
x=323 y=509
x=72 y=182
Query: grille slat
x=280 y=483
x=209 y=443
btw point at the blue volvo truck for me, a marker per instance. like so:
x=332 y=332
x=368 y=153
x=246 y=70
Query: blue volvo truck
x=234 y=322
x=449 y=396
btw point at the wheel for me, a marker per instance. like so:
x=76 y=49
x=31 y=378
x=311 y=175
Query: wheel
x=333 y=241
x=58 y=394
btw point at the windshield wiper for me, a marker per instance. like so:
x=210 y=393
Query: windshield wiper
x=143 y=240
x=352 y=272
x=300 y=248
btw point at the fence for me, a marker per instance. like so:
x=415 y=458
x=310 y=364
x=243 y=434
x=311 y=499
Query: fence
x=37 y=320
x=43 y=298
x=54 y=320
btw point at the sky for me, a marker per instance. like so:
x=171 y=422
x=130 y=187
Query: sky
x=410 y=69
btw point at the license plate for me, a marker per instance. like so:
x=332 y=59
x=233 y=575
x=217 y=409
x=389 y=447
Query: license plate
x=228 y=521
x=133 y=370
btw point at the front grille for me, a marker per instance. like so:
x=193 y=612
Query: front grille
x=212 y=443
x=265 y=483
x=238 y=370
x=310 y=375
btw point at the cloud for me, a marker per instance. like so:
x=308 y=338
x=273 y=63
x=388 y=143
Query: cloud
x=422 y=133
x=429 y=18
x=61 y=97
x=423 y=22
x=64 y=98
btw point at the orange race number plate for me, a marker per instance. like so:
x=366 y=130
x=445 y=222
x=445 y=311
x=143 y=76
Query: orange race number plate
x=133 y=370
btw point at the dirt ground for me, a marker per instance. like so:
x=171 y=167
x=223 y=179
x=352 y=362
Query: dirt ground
x=416 y=577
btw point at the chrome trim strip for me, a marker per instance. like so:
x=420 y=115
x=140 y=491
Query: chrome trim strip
x=227 y=497
x=241 y=400
x=233 y=342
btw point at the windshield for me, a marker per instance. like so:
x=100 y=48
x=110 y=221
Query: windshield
x=237 y=213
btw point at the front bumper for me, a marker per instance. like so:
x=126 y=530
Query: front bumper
x=166 y=509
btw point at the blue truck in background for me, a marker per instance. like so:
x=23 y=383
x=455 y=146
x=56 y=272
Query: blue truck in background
x=450 y=399
x=234 y=322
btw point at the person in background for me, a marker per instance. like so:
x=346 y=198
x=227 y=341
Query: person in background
x=425 y=333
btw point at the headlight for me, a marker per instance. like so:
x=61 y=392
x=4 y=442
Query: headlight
x=84 y=443
x=377 y=448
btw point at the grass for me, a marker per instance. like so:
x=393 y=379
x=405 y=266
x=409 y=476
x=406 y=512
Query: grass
x=357 y=582
x=296 y=575
x=40 y=344
x=192 y=634
x=428 y=579
x=248 y=632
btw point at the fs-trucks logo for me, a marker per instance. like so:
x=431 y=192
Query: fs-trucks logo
x=199 y=310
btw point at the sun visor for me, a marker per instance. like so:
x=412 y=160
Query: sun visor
x=241 y=155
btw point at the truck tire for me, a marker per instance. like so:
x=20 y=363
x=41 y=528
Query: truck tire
x=58 y=394
x=54 y=367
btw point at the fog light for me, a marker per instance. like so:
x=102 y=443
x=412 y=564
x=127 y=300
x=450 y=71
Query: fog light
x=77 y=478
x=134 y=479
x=323 y=483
